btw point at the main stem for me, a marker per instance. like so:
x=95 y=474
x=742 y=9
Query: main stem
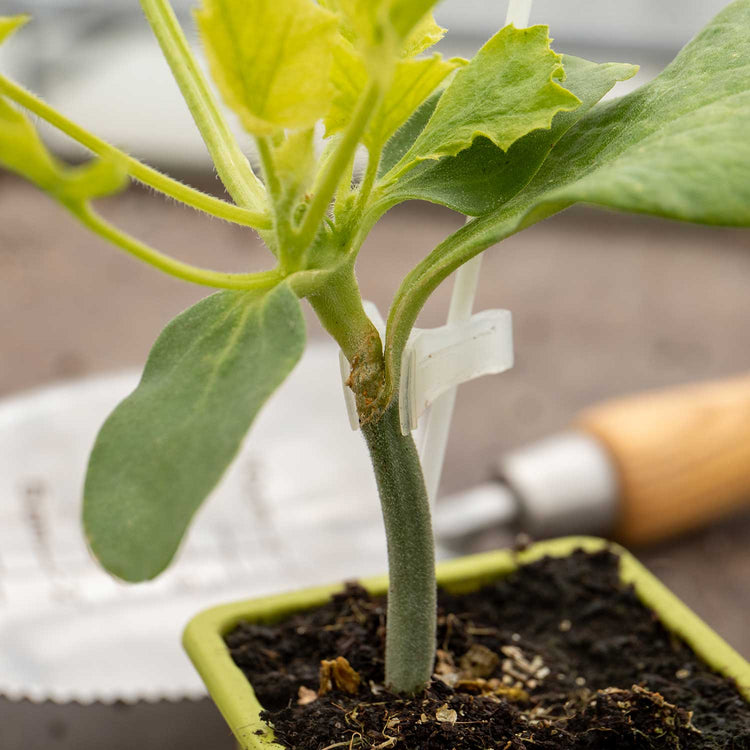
x=412 y=604
x=412 y=607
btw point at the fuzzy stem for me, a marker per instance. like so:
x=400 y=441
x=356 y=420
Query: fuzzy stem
x=136 y=169
x=338 y=305
x=171 y=266
x=335 y=166
x=411 y=623
x=410 y=637
x=279 y=198
x=231 y=164
x=273 y=183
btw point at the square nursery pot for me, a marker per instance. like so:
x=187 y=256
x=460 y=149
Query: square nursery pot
x=234 y=696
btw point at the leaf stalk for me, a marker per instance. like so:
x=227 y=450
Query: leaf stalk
x=335 y=167
x=231 y=164
x=136 y=169
x=280 y=202
x=205 y=277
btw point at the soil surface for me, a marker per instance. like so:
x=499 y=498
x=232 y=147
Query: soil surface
x=558 y=655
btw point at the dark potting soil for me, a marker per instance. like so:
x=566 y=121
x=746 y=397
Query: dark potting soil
x=558 y=655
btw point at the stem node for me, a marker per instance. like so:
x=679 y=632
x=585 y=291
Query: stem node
x=367 y=378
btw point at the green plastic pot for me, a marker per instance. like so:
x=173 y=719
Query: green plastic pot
x=234 y=696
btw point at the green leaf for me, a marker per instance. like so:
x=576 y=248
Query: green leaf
x=677 y=148
x=482 y=177
x=295 y=159
x=22 y=152
x=509 y=89
x=165 y=447
x=403 y=139
x=9 y=24
x=271 y=60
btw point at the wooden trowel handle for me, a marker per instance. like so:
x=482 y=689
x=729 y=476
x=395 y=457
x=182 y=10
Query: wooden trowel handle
x=683 y=455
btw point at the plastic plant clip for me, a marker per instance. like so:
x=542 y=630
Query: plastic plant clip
x=422 y=381
x=438 y=422
x=518 y=13
x=436 y=360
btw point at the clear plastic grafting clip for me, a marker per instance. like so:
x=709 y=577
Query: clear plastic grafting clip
x=438 y=359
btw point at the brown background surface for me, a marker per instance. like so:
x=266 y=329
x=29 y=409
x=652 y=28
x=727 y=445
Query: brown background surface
x=603 y=305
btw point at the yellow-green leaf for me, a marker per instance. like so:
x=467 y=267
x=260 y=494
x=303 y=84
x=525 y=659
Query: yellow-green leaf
x=295 y=158
x=9 y=24
x=348 y=78
x=22 y=152
x=423 y=36
x=413 y=81
x=271 y=60
x=375 y=24
x=406 y=15
x=509 y=89
x=361 y=21
x=95 y=179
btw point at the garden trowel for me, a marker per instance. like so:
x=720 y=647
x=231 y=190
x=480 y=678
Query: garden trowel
x=639 y=469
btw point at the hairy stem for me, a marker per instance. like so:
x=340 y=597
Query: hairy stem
x=410 y=637
x=231 y=164
x=262 y=280
x=412 y=607
x=335 y=166
x=338 y=305
x=136 y=169
x=269 y=168
x=280 y=202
